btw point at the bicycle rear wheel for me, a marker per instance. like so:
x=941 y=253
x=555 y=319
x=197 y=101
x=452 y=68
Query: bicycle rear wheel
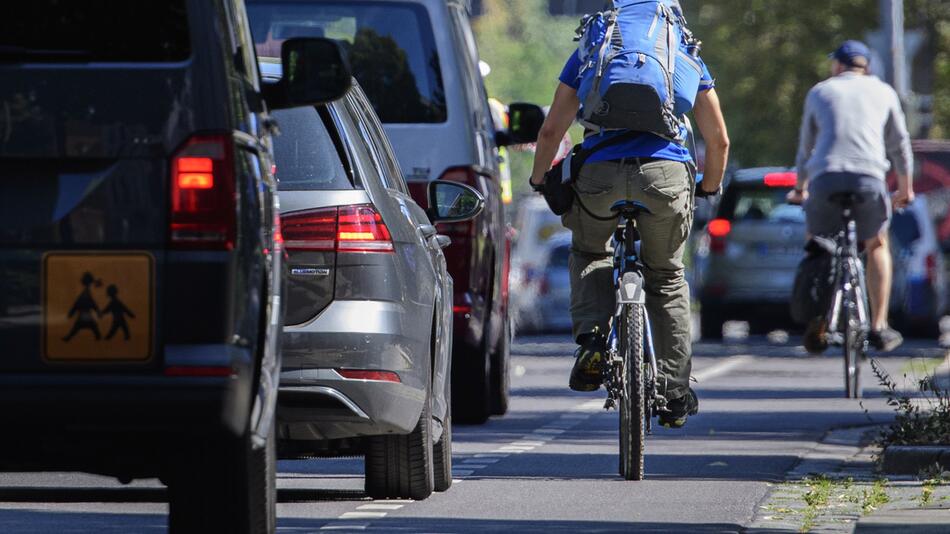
x=632 y=405
x=853 y=347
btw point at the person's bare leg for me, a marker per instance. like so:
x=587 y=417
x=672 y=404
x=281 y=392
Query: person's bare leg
x=880 y=273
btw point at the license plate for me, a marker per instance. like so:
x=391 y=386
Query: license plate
x=97 y=306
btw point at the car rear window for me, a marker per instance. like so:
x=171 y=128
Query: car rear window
x=391 y=49
x=305 y=155
x=94 y=31
x=759 y=203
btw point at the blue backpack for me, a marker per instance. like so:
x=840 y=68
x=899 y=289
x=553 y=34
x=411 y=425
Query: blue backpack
x=638 y=67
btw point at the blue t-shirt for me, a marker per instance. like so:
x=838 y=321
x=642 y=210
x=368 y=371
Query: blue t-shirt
x=646 y=145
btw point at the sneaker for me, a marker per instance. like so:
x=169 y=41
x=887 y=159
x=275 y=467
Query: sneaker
x=678 y=410
x=885 y=340
x=587 y=372
x=815 y=339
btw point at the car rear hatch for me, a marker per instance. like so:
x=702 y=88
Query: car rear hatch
x=755 y=243
x=90 y=113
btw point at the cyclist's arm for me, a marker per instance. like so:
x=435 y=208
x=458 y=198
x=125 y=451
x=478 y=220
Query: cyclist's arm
x=712 y=126
x=900 y=154
x=559 y=119
x=806 y=144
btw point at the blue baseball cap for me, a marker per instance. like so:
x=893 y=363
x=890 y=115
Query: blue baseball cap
x=849 y=51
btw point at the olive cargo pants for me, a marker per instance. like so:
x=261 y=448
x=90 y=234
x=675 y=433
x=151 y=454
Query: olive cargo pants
x=666 y=189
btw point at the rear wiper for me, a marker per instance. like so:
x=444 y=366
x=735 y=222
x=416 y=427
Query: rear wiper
x=13 y=52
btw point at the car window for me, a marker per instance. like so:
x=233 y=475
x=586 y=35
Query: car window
x=382 y=150
x=354 y=135
x=391 y=47
x=474 y=82
x=743 y=203
x=94 y=31
x=305 y=155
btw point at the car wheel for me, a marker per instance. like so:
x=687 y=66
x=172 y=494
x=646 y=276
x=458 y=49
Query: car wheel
x=500 y=375
x=471 y=384
x=710 y=322
x=442 y=457
x=225 y=485
x=401 y=466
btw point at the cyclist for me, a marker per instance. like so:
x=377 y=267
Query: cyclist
x=654 y=171
x=852 y=125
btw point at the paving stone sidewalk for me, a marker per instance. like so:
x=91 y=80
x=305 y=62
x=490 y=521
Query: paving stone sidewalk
x=836 y=489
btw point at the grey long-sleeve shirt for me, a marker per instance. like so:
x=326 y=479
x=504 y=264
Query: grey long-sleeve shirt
x=853 y=123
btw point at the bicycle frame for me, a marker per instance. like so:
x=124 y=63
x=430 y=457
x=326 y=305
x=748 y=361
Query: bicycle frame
x=849 y=281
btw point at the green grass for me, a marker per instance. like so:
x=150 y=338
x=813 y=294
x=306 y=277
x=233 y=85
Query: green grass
x=875 y=497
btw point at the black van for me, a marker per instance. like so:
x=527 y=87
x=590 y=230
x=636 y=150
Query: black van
x=140 y=252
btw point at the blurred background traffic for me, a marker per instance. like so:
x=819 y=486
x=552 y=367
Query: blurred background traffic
x=746 y=245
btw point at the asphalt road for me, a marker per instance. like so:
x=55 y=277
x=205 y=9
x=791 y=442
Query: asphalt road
x=550 y=464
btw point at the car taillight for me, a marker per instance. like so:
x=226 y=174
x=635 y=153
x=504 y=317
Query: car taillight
x=313 y=230
x=361 y=229
x=781 y=179
x=203 y=197
x=718 y=229
x=345 y=229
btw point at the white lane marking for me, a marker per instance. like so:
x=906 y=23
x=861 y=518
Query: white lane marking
x=481 y=461
x=475 y=466
x=380 y=506
x=345 y=526
x=362 y=515
x=574 y=416
x=491 y=455
x=549 y=431
x=461 y=472
x=721 y=368
x=528 y=443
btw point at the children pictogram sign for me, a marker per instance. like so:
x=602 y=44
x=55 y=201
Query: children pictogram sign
x=97 y=307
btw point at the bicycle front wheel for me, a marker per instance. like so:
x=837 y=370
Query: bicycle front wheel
x=853 y=346
x=632 y=405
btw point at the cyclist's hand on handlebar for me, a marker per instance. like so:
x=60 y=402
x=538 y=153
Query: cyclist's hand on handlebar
x=795 y=197
x=902 y=199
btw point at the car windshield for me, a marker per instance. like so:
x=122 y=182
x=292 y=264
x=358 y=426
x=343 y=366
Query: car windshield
x=304 y=153
x=94 y=31
x=390 y=45
x=761 y=203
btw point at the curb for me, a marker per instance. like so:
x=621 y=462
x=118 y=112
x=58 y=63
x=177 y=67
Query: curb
x=912 y=459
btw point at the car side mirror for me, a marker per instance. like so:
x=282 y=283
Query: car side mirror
x=524 y=124
x=313 y=71
x=453 y=202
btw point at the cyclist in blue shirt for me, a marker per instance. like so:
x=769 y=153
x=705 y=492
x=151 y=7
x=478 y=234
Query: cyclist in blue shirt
x=656 y=172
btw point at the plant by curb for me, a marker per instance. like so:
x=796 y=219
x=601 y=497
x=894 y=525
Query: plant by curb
x=918 y=421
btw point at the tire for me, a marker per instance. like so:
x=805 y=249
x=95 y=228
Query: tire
x=852 y=357
x=632 y=406
x=400 y=466
x=500 y=377
x=442 y=457
x=225 y=486
x=710 y=322
x=471 y=384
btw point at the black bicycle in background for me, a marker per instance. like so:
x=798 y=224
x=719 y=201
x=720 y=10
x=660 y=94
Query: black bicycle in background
x=629 y=370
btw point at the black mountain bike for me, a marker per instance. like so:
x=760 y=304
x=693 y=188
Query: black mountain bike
x=629 y=370
x=848 y=319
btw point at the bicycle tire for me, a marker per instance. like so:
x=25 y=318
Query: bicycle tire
x=852 y=350
x=632 y=406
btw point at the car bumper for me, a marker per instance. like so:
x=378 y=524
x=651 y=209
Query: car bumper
x=319 y=404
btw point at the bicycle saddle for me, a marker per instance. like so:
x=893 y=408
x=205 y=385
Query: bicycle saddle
x=846 y=198
x=629 y=209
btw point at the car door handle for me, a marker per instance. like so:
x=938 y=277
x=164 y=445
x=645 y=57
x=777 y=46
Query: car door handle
x=443 y=240
x=428 y=230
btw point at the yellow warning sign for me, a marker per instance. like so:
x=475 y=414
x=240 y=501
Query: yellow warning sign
x=97 y=307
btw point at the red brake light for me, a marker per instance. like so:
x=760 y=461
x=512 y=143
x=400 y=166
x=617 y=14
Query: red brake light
x=205 y=371
x=344 y=229
x=361 y=229
x=719 y=227
x=781 y=179
x=310 y=230
x=203 y=194
x=359 y=374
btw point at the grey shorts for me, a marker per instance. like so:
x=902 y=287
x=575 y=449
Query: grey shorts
x=872 y=212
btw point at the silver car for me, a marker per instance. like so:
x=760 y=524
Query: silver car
x=748 y=254
x=368 y=334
